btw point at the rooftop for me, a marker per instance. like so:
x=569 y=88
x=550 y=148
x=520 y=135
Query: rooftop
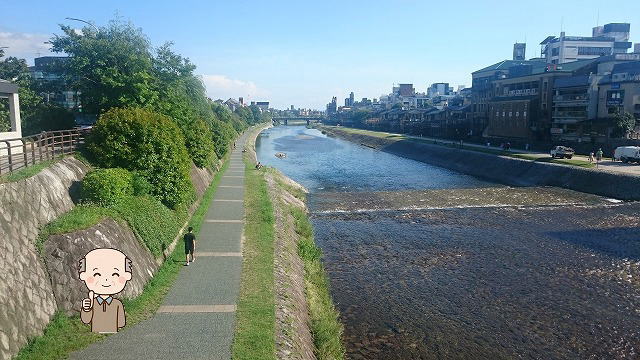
x=506 y=64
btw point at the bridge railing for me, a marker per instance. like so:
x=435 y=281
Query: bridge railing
x=19 y=153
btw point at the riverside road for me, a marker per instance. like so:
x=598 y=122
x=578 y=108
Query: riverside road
x=426 y=263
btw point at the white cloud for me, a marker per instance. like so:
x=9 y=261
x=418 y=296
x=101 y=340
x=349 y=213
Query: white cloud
x=25 y=45
x=222 y=87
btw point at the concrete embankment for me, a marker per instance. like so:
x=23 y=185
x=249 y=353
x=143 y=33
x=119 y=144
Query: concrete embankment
x=501 y=169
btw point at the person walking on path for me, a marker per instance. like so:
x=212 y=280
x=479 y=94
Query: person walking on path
x=599 y=155
x=591 y=157
x=189 y=246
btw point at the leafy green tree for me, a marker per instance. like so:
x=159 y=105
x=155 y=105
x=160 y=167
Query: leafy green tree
x=624 y=123
x=148 y=143
x=222 y=135
x=111 y=66
x=199 y=142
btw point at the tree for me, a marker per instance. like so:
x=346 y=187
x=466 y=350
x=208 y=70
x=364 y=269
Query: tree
x=624 y=123
x=111 y=66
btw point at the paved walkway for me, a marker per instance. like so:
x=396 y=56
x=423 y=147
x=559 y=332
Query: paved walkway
x=197 y=317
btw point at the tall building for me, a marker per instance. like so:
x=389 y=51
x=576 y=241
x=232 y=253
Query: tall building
x=292 y=107
x=605 y=40
x=437 y=89
x=636 y=48
x=406 y=90
x=351 y=99
x=519 y=51
x=332 y=107
x=46 y=70
x=263 y=105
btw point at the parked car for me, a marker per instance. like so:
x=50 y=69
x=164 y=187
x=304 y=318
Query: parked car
x=627 y=154
x=562 y=152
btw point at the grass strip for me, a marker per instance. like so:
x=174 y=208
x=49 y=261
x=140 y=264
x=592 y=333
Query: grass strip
x=255 y=317
x=326 y=327
x=27 y=172
x=65 y=334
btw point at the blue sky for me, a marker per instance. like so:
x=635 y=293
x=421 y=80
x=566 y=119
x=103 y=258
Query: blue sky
x=302 y=52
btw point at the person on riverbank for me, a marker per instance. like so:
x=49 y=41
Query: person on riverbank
x=258 y=165
x=189 y=246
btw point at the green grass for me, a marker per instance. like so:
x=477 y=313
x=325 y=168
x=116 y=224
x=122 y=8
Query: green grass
x=65 y=334
x=255 y=317
x=27 y=172
x=80 y=217
x=325 y=319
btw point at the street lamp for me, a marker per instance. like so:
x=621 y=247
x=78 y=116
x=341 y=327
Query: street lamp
x=84 y=21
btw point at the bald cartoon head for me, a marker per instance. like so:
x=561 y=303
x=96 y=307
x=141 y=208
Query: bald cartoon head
x=105 y=271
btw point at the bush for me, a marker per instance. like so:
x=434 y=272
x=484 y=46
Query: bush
x=153 y=222
x=199 y=143
x=140 y=185
x=146 y=142
x=222 y=134
x=106 y=187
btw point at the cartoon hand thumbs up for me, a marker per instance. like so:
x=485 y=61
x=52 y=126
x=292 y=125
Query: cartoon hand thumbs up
x=87 y=304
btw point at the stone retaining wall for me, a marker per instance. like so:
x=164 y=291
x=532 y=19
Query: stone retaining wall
x=505 y=170
x=62 y=253
x=32 y=288
x=27 y=300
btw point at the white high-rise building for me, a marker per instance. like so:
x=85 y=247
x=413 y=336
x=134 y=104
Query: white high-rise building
x=605 y=40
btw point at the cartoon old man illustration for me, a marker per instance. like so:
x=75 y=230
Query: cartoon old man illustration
x=105 y=272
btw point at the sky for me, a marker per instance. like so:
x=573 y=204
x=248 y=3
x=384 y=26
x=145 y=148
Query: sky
x=302 y=53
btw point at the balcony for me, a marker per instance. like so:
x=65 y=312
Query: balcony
x=569 y=115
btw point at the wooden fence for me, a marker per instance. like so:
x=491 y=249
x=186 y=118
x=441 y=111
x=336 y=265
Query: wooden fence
x=23 y=152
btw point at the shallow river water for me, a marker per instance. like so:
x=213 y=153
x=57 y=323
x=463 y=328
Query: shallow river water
x=426 y=263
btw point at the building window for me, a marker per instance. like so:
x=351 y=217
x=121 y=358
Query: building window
x=524 y=114
x=588 y=50
x=612 y=110
x=497 y=113
x=555 y=51
x=510 y=113
x=503 y=114
x=517 y=113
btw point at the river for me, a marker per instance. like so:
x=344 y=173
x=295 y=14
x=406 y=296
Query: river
x=425 y=263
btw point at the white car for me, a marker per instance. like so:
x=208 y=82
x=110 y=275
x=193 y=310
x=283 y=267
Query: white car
x=627 y=154
x=562 y=152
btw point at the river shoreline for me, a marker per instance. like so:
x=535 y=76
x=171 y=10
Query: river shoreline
x=501 y=169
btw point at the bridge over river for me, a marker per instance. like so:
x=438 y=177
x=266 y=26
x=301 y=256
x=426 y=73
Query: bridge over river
x=297 y=120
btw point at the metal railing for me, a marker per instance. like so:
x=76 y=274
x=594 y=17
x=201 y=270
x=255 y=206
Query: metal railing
x=19 y=153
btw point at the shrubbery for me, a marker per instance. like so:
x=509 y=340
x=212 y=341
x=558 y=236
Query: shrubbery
x=153 y=222
x=199 y=143
x=146 y=142
x=107 y=187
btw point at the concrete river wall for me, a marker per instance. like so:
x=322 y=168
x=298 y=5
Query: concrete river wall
x=502 y=169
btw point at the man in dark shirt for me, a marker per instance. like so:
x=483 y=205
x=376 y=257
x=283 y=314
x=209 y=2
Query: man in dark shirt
x=189 y=245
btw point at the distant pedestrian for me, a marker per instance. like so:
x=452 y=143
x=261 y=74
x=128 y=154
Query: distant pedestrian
x=599 y=155
x=591 y=157
x=258 y=165
x=234 y=145
x=526 y=147
x=189 y=246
